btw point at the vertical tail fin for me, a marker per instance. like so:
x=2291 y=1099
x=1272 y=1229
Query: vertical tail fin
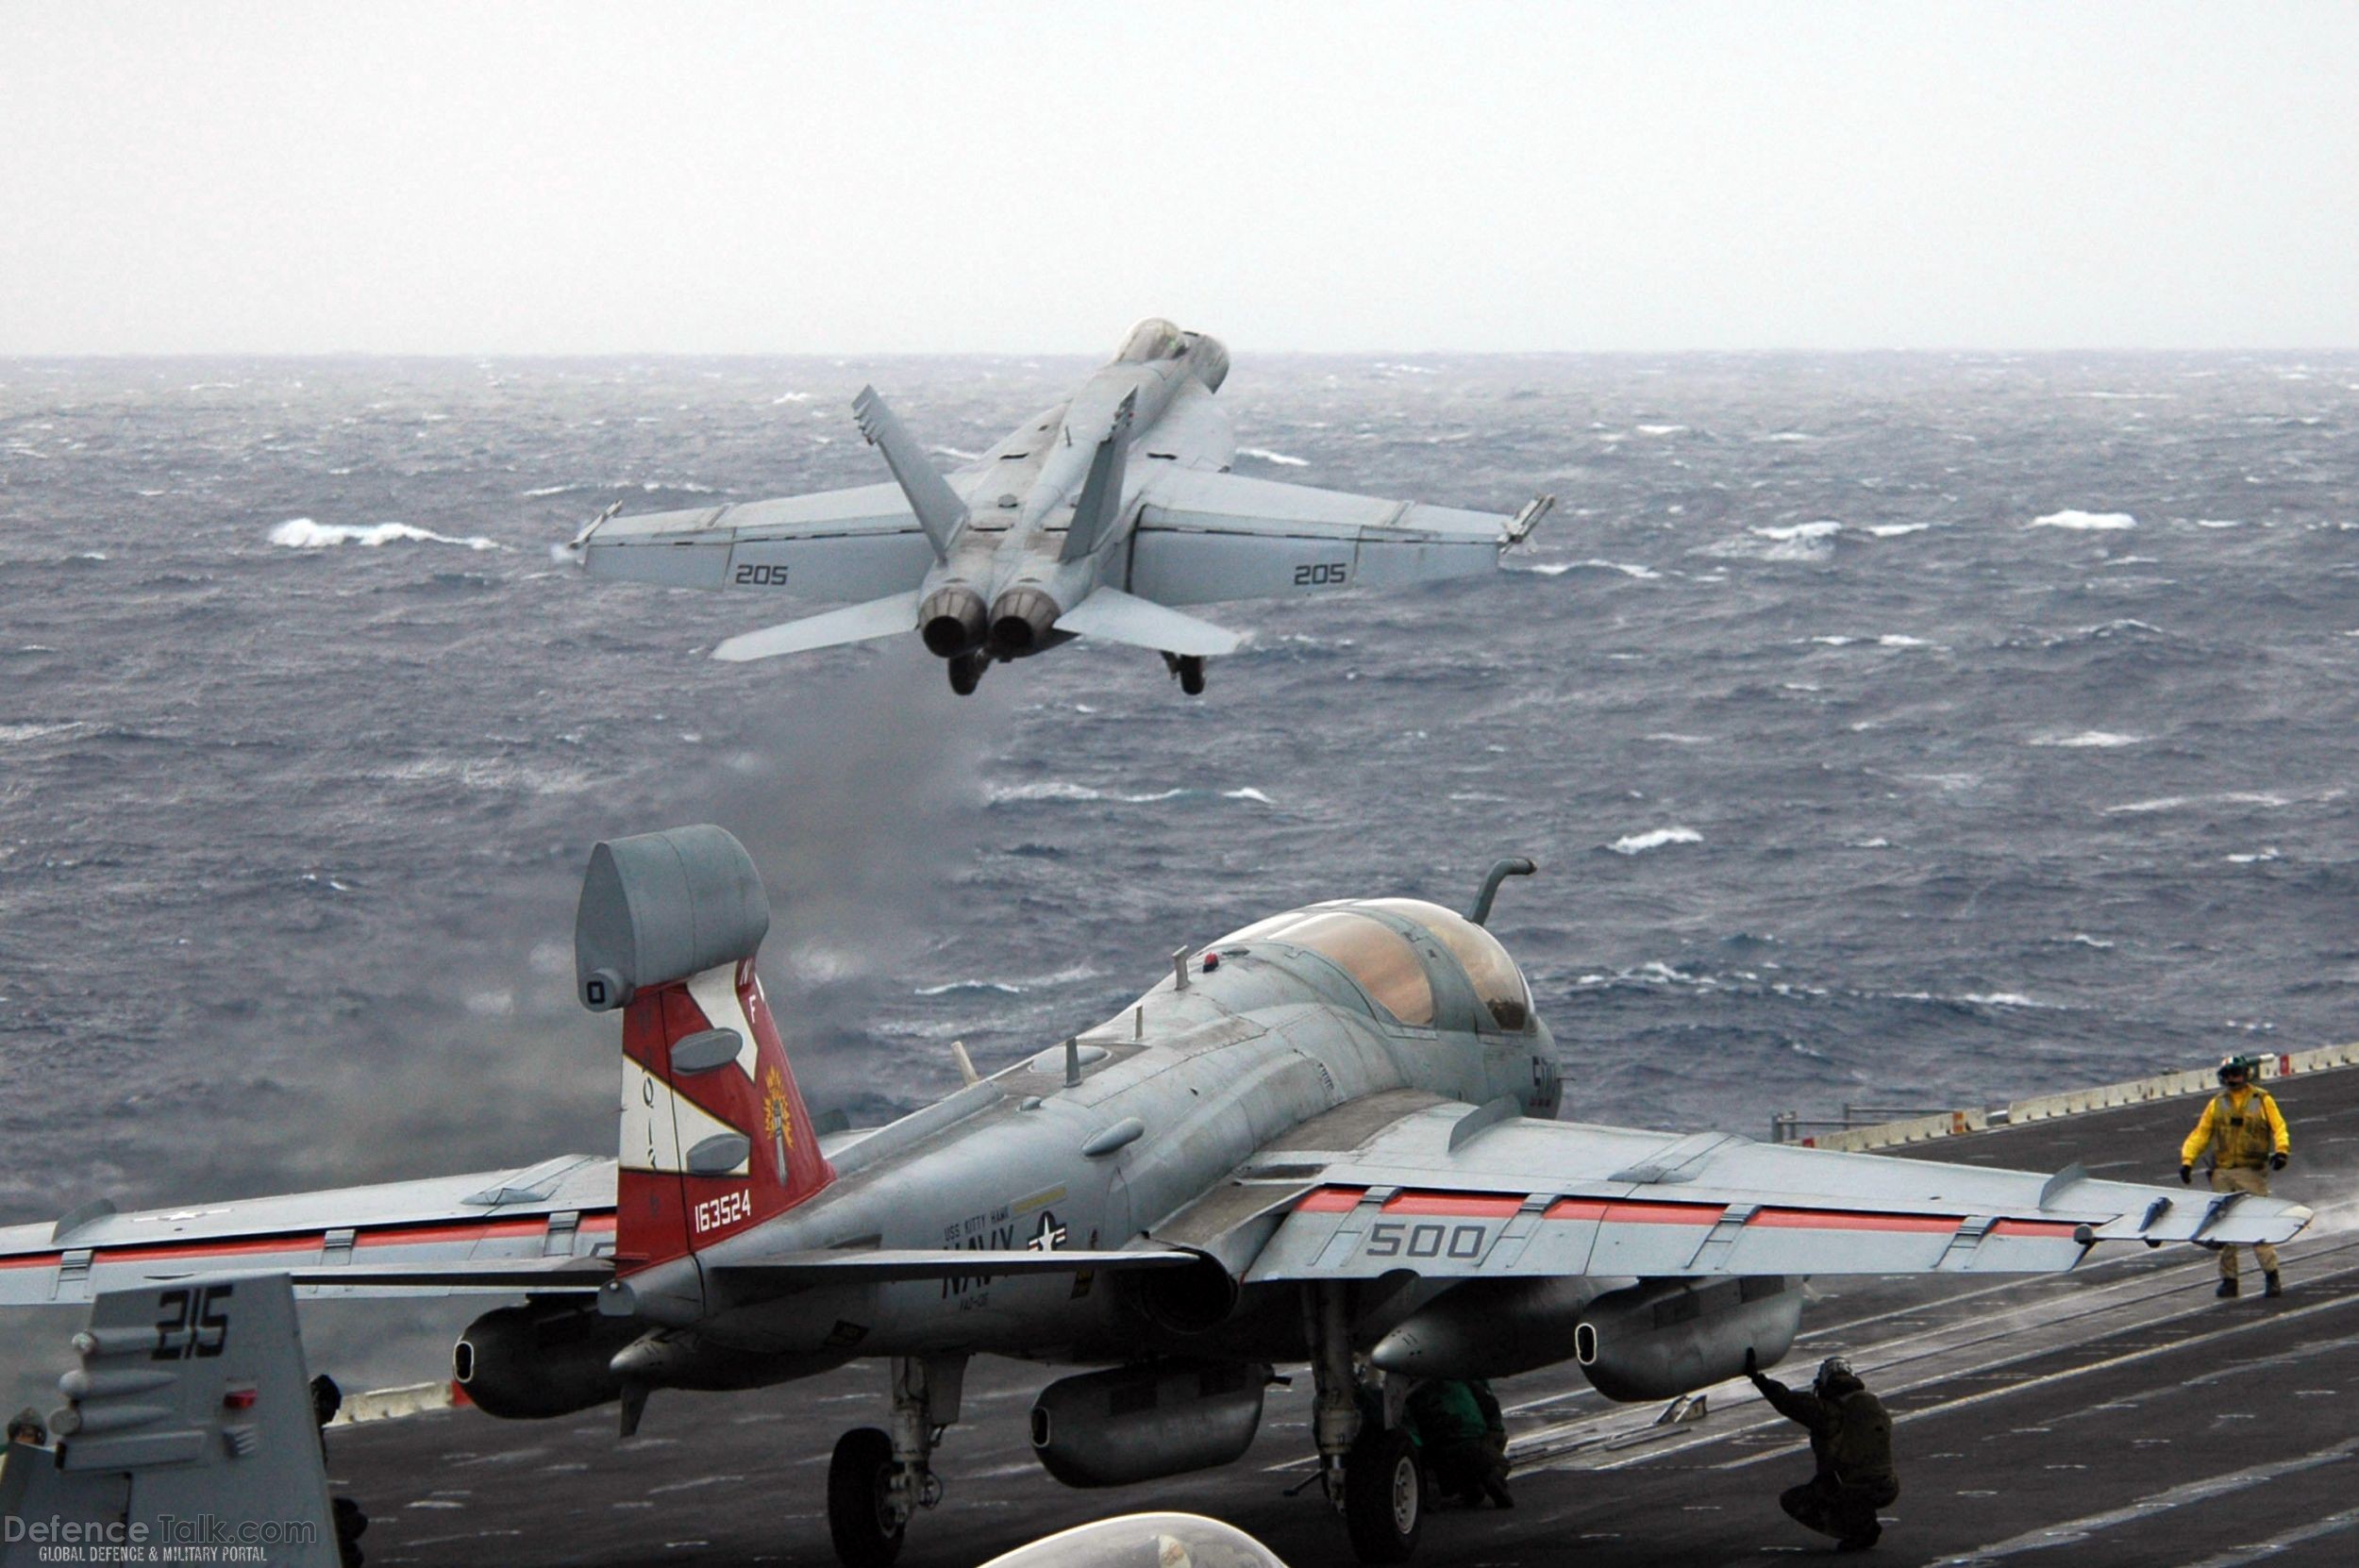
x=714 y=1133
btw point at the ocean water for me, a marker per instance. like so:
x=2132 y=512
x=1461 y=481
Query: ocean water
x=1910 y=729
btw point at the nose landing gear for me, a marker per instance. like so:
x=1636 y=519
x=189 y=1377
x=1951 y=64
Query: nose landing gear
x=1189 y=670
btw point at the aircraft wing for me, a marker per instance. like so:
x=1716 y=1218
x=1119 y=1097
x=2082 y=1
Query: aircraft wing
x=1206 y=537
x=1453 y=1191
x=837 y=545
x=543 y=1226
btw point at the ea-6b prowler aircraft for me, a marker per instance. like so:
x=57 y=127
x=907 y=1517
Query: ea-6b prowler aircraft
x=1329 y=1137
x=1094 y=519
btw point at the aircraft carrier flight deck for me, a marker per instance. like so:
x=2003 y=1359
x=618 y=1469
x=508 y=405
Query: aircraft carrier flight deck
x=2117 y=1416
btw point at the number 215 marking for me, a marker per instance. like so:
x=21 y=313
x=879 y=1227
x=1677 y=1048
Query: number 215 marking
x=192 y=1323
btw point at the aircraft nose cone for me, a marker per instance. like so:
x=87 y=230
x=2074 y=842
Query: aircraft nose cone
x=952 y=621
x=1021 y=620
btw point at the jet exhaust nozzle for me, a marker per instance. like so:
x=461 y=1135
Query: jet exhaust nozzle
x=1022 y=622
x=953 y=621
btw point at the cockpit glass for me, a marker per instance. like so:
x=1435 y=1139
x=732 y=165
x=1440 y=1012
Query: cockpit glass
x=1498 y=984
x=1144 y=1541
x=1372 y=953
x=1152 y=339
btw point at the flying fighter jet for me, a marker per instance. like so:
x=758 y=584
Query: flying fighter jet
x=1330 y=1137
x=1094 y=519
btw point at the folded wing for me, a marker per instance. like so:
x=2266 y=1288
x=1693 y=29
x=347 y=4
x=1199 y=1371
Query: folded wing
x=1452 y=1190
x=550 y=1223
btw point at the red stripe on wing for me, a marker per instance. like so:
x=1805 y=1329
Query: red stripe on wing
x=1486 y=1205
x=1850 y=1219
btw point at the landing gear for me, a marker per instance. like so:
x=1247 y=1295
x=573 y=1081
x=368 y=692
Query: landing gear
x=1383 y=1496
x=877 y=1481
x=1189 y=670
x=1369 y=1466
x=861 y=1515
x=966 y=670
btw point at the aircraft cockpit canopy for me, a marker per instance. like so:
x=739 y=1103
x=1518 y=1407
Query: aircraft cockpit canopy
x=1380 y=958
x=1152 y=339
x=1386 y=964
x=1155 y=340
x=1498 y=984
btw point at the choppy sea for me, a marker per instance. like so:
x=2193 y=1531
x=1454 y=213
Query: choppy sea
x=1898 y=730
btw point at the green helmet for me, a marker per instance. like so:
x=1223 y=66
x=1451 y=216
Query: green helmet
x=2248 y=1066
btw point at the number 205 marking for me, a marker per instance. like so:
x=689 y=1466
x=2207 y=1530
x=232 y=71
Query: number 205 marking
x=757 y=574
x=192 y=1323
x=1399 y=1239
x=1321 y=574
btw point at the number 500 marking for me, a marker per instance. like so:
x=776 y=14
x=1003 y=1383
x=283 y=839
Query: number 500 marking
x=1399 y=1239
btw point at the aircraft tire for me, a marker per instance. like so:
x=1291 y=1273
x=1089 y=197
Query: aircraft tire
x=1192 y=676
x=1383 y=1496
x=858 y=1478
x=967 y=673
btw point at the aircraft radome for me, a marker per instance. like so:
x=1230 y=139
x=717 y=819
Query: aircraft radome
x=1094 y=519
x=1329 y=1138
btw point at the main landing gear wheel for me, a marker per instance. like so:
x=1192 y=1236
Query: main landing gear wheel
x=1383 y=1496
x=859 y=1500
x=1189 y=669
x=966 y=671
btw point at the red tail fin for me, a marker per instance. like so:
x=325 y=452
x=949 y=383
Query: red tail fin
x=714 y=1133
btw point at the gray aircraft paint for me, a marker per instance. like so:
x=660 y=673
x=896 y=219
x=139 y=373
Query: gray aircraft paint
x=1018 y=551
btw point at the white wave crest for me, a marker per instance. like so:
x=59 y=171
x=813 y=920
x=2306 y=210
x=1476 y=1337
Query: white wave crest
x=2089 y=738
x=1638 y=844
x=302 y=533
x=2173 y=803
x=1661 y=429
x=1280 y=459
x=1824 y=528
x=2085 y=522
x=1065 y=790
x=11 y=734
x=1894 y=530
x=950 y=987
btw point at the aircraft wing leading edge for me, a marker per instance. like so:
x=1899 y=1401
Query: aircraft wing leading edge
x=1202 y=537
x=1516 y=1197
x=835 y=546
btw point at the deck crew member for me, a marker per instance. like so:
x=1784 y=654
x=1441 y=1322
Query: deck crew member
x=2245 y=1135
x=1850 y=1437
x=1462 y=1436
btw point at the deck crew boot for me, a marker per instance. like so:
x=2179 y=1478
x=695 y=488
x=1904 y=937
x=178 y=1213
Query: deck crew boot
x=2271 y=1285
x=2226 y=1286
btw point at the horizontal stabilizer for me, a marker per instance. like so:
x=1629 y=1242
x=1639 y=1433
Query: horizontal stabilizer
x=1113 y=616
x=852 y=624
x=937 y=507
x=883 y=1264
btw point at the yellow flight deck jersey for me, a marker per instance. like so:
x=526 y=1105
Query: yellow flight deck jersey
x=2243 y=1134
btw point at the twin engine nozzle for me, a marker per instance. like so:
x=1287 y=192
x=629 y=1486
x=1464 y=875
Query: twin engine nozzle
x=953 y=621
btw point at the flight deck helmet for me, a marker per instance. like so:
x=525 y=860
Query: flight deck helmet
x=1834 y=1373
x=2236 y=1068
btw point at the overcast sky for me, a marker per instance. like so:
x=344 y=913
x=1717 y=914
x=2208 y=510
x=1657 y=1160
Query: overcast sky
x=862 y=177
